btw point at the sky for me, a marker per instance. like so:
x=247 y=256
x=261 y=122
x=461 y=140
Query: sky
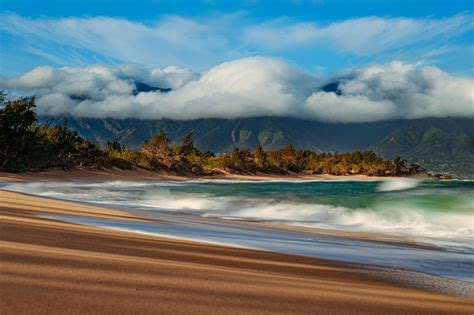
x=393 y=57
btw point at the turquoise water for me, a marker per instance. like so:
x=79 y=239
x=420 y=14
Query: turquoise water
x=434 y=213
x=435 y=210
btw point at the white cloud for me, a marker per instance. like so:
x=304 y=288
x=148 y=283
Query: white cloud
x=168 y=77
x=98 y=81
x=396 y=91
x=360 y=36
x=249 y=87
x=204 y=41
x=170 y=40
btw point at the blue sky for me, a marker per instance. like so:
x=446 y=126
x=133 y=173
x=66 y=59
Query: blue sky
x=320 y=36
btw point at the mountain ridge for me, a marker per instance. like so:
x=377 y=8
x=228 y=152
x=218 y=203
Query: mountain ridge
x=442 y=145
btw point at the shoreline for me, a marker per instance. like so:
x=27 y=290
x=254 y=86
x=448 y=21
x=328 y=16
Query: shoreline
x=141 y=174
x=74 y=268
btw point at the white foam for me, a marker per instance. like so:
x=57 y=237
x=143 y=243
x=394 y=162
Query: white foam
x=398 y=184
x=392 y=216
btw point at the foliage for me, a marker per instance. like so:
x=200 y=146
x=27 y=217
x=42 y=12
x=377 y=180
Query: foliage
x=25 y=145
x=18 y=140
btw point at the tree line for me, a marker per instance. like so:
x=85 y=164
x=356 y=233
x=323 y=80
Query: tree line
x=26 y=145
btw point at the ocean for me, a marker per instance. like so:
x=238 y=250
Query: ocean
x=421 y=225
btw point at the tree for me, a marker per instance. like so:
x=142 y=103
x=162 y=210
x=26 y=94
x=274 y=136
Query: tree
x=187 y=145
x=290 y=158
x=65 y=148
x=114 y=146
x=3 y=96
x=415 y=168
x=259 y=156
x=26 y=145
x=158 y=148
x=18 y=141
x=398 y=166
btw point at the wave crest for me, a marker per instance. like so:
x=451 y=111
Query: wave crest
x=398 y=184
x=434 y=218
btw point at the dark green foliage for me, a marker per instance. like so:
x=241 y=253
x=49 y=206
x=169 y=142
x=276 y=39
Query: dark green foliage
x=114 y=146
x=288 y=159
x=25 y=145
x=187 y=145
x=240 y=161
x=18 y=139
x=64 y=148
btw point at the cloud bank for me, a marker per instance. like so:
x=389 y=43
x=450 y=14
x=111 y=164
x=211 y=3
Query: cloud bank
x=248 y=87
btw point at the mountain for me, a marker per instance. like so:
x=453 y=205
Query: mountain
x=442 y=145
x=331 y=87
x=142 y=87
x=220 y=135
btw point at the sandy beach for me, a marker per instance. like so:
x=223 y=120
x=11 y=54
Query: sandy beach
x=52 y=267
x=142 y=174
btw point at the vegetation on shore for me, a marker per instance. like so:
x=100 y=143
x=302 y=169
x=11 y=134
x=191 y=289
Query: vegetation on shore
x=26 y=145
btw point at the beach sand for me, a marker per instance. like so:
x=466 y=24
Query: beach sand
x=142 y=174
x=52 y=267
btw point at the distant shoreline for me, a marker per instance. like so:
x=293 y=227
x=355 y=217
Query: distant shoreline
x=142 y=174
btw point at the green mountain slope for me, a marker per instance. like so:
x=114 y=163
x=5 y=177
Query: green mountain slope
x=442 y=145
x=220 y=135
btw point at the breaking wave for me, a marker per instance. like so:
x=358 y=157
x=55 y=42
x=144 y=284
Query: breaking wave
x=398 y=184
x=433 y=214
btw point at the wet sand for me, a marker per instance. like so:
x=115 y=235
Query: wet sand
x=53 y=267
